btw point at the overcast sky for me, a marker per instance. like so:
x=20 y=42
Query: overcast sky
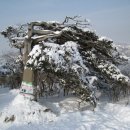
x=109 y=18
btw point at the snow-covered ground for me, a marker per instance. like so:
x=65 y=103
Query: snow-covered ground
x=125 y=49
x=61 y=114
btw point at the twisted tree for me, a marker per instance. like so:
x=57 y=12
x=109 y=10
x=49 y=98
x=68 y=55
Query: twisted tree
x=69 y=57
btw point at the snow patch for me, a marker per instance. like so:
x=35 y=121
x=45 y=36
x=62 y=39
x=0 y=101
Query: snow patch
x=104 y=38
x=26 y=111
x=64 y=57
x=107 y=116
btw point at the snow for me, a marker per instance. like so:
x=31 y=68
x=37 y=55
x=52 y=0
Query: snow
x=19 y=38
x=124 y=57
x=57 y=32
x=113 y=71
x=66 y=116
x=58 y=55
x=67 y=29
x=26 y=111
x=104 y=38
x=53 y=22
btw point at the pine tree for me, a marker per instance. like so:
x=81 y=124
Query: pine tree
x=72 y=59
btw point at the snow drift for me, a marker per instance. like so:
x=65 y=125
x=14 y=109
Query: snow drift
x=22 y=110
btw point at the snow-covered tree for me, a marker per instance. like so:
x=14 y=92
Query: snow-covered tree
x=72 y=58
x=11 y=69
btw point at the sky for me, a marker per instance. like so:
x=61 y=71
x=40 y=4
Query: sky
x=110 y=18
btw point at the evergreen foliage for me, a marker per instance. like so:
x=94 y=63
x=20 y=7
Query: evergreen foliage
x=75 y=59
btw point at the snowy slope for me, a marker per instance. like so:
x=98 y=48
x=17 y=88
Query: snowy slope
x=124 y=49
x=63 y=114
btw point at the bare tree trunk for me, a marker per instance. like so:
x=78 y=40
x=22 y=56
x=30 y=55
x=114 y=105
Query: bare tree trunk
x=27 y=87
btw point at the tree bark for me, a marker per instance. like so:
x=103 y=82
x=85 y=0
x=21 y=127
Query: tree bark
x=27 y=86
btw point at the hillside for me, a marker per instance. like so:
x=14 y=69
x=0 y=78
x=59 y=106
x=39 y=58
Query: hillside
x=62 y=113
x=124 y=49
